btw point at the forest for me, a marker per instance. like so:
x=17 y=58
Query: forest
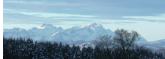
x=26 y=48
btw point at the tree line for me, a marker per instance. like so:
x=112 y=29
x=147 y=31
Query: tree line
x=28 y=49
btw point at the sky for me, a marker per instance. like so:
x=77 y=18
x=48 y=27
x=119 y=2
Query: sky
x=147 y=17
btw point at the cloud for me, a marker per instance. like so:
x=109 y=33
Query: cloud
x=48 y=15
x=44 y=3
x=18 y=16
x=60 y=17
x=23 y=2
x=156 y=18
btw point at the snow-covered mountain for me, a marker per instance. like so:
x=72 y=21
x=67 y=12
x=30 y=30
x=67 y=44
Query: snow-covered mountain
x=156 y=44
x=48 y=32
x=81 y=35
x=44 y=32
x=41 y=33
x=16 y=33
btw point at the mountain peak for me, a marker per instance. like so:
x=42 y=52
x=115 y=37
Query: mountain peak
x=47 y=25
x=93 y=25
x=43 y=26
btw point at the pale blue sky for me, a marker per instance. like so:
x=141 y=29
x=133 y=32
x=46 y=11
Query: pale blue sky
x=145 y=16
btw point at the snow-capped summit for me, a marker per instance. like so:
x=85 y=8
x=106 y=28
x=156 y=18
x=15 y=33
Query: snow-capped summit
x=44 y=32
x=84 y=33
x=93 y=26
x=46 y=26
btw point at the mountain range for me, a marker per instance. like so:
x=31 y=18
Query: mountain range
x=75 y=35
x=48 y=32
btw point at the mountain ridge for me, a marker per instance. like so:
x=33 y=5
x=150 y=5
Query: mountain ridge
x=50 y=32
x=73 y=35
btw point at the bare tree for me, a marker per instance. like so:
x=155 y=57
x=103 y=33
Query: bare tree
x=125 y=39
x=103 y=41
